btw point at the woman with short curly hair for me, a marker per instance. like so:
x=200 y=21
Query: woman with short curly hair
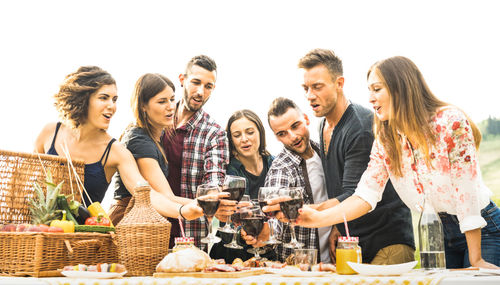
x=86 y=102
x=72 y=100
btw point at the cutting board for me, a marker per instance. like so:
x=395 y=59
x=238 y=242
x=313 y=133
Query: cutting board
x=237 y=274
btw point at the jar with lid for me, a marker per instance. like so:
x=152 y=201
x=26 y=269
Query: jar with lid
x=347 y=250
x=183 y=243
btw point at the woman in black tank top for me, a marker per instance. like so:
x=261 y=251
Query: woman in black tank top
x=86 y=102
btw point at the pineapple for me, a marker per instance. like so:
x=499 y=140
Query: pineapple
x=44 y=207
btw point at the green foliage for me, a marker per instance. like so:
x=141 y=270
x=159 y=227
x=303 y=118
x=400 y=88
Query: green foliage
x=489 y=162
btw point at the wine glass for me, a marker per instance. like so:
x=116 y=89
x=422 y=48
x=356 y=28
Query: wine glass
x=252 y=221
x=235 y=186
x=290 y=208
x=265 y=194
x=208 y=200
x=235 y=218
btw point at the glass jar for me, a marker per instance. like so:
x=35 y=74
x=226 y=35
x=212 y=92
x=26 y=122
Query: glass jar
x=183 y=243
x=431 y=238
x=347 y=250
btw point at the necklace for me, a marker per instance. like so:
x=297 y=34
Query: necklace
x=326 y=143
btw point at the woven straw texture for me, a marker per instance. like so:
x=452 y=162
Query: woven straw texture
x=142 y=235
x=42 y=254
x=18 y=172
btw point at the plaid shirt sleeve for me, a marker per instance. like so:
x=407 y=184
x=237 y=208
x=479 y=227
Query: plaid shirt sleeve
x=285 y=172
x=278 y=176
x=216 y=158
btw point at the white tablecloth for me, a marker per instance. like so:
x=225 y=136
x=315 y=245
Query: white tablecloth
x=270 y=279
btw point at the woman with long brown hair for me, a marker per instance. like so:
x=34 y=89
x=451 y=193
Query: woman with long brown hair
x=428 y=149
x=247 y=145
x=251 y=160
x=153 y=105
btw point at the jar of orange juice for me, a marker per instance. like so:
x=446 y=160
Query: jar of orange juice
x=347 y=250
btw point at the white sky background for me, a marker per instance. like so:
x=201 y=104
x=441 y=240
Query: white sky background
x=256 y=45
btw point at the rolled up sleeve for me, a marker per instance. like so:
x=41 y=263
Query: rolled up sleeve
x=372 y=183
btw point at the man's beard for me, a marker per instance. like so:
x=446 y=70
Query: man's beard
x=187 y=101
x=294 y=149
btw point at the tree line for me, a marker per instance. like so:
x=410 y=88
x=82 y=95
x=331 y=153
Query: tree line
x=490 y=127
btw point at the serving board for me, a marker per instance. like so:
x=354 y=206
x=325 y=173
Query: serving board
x=237 y=274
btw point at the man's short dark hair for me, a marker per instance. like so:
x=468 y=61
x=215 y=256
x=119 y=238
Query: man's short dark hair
x=323 y=56
x=280 y=106
x=202 y=61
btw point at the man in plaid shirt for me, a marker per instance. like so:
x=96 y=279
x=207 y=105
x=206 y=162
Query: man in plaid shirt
x=298 y=165
x=197 y=151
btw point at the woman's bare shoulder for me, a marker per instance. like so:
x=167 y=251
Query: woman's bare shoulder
x=45 y=135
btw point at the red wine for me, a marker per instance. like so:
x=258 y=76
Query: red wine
x=268 y=214
x=253 y=226
x=209 y=206
x=290 y=208
x=235 y=193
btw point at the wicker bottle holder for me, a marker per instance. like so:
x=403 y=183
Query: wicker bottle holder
x=143 y=235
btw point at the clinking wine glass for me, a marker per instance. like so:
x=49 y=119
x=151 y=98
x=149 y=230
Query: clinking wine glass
x=265 y=194
x=290 y=208
x=252 y=221
x=235 y=186
x=208 y=200
x=236 y=219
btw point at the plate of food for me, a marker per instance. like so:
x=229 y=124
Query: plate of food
x=371 y=269
x=93 y=274
x=98 y=271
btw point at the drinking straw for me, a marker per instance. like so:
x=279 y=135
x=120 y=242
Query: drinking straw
x=182 y=228
x=345 y=224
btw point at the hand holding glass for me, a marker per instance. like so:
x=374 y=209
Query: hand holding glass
x=235 y=218
x=290 y=208
x=235 y=186
x=252 y=221
x=265 y=194
x=208 y=199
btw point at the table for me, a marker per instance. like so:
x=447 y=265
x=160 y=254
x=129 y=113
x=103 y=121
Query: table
x=416 y=278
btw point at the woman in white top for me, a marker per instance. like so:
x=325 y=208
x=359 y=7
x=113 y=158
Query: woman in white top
x=425 y=146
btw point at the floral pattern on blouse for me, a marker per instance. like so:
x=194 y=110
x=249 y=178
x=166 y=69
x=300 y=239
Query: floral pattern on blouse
x=453 y=181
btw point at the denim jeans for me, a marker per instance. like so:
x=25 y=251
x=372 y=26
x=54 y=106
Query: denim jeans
x=457 y=254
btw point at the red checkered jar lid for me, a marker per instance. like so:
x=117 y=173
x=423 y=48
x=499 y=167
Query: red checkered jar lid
x=348 y=239
x=184 y=240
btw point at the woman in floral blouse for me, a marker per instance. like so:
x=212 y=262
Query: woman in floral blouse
x=426 y=147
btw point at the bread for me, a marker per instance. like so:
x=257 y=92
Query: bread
x=186 y=260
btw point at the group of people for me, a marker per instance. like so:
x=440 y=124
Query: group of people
x=369 y=165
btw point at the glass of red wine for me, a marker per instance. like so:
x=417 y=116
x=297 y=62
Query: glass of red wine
x=252 y=221
x=265 y=194
x=235 y=186
x=236 y=219
x=290 y=206
x=208 y=200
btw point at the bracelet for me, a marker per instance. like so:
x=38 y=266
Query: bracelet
x=180 y=212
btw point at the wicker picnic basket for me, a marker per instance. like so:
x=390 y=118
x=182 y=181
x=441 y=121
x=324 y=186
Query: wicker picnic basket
x=143 y=235
x=34 y=253
x=42 y=254
x=18 y=172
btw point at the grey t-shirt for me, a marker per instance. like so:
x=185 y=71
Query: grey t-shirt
x=141 y=145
